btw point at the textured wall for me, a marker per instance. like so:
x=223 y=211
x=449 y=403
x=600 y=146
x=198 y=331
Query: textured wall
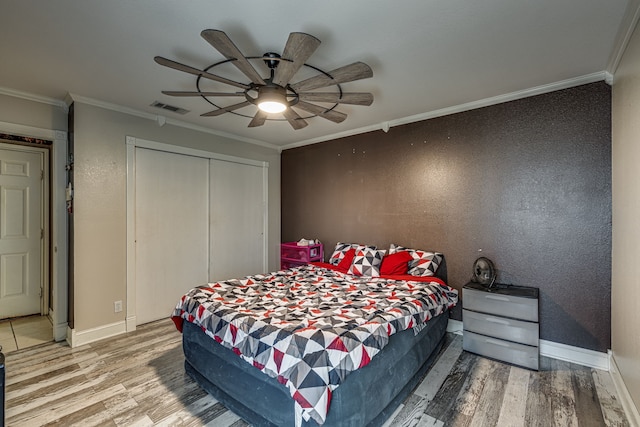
x=526 y=183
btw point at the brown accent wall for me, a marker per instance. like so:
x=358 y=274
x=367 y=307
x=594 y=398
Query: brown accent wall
x=526 y=183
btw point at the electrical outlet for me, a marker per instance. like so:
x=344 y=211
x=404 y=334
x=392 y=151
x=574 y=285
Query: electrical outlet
x=117 y=306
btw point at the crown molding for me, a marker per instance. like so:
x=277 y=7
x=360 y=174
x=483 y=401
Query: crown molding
x=162 y=120
x=627 y=27
x=538 y=90
x=31 y=97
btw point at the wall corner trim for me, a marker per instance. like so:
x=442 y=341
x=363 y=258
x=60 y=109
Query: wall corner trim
x=630 y=409
x=78 y=338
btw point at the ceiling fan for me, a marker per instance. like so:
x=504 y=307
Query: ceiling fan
x=275 y=94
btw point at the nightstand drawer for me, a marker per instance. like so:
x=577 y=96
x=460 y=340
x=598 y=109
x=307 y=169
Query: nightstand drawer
x=501 y=327
x=500 y=303
x=518 y=354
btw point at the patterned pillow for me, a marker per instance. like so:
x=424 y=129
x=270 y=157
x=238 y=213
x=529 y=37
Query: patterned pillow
x=394 y=249
x=424 y=263
x=366 y=262
x=339 y=252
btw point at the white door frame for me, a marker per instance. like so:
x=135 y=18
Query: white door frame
x=58 y=245
x=132 y=144
x=44 y=219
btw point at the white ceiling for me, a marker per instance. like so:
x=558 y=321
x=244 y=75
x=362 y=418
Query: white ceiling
x=426 y=55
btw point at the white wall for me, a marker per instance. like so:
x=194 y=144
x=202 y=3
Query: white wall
x=100 y=202
x=625 y=292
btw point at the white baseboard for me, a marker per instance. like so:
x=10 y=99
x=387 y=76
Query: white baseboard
x=60 y=329
x=455 y=326
x=577 y=355
x=630 y=409
x=60 y=332
x=131 y=323
x=78 y=338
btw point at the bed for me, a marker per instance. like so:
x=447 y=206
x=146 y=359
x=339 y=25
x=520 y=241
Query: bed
x=316 y=344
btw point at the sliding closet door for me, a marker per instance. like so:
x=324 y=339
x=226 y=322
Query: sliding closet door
x=171 y=229
x=237 y=220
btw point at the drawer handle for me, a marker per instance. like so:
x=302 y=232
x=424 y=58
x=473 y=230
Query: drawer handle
x=500 y=343
x=496 y=320
x=497 y=297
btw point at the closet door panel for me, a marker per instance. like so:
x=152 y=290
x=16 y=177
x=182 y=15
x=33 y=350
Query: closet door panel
x=172 y=235
x=237 y=220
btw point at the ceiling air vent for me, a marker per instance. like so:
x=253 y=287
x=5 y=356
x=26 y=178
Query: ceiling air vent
x=168 y=107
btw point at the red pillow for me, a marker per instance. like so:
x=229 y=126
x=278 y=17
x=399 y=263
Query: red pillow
x=397 y=263
x=345 y=262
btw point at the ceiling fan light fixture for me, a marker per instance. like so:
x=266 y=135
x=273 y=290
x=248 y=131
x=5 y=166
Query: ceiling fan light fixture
x=272 y=106
x=272 y=99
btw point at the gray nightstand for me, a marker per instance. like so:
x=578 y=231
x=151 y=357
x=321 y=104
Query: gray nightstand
x=501 y=323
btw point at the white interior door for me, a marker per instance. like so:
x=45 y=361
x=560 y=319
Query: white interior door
x=171 y=229
x=238 y=216
x=21 y=225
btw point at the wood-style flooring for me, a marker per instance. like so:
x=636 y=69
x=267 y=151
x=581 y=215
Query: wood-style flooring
x=138 y=379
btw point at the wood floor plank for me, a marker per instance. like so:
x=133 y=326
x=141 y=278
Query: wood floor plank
x=34 y=384
x=15 y=376
x=56 y=409
x=393 y=416
x=201 y=411
x=138 y=379
x=438 y=373
x=411 y=411
x=427 y=421
x=514 y=404
x=89 y=416
x=227 y=419
x=588 y=408
x=563 y=403
x=538 y=412
x=239 y=423
x=443 y=402
x=56 y=397
x=612 y=411
x=490 y=400
x=466 y=403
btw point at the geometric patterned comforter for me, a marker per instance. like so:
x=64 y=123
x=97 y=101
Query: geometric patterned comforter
x=310 y=326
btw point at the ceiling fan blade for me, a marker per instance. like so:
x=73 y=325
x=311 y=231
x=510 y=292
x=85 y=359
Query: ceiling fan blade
x=332 y=115
x=225 y=109
x=299 y=47
x=354 y=98
x=294 y=119
x=186 y=93
x=258 y=119
x=187 y=69
x=223 y=44
x=348 y=73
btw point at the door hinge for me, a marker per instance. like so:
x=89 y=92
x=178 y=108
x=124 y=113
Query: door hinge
x=41 y=175
x=42 y=233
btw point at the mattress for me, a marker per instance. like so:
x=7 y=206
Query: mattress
x=367 y=397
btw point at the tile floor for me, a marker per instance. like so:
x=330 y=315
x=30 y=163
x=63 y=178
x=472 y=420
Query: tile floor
x=23 y=332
